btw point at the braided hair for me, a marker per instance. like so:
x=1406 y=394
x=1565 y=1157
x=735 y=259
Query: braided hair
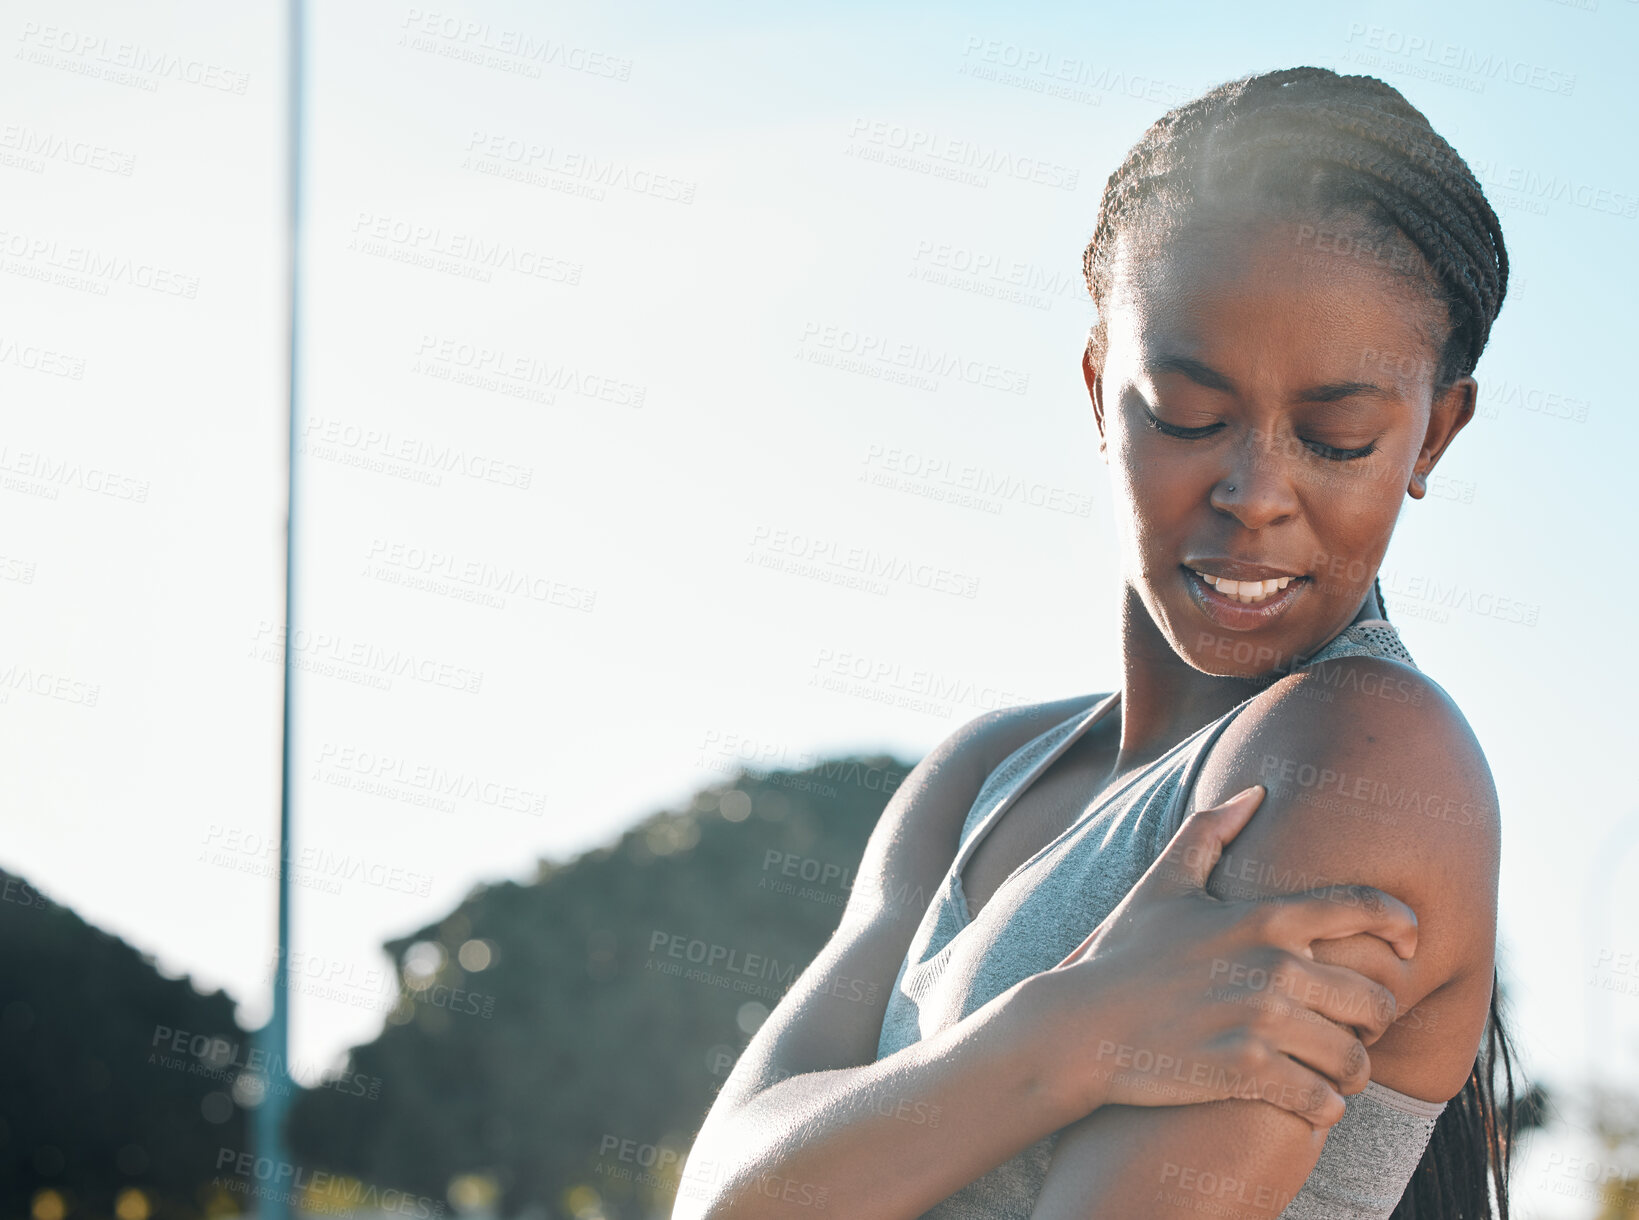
x=1309 y=144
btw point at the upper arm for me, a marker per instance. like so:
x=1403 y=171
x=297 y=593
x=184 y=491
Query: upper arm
x=1372 y=777
x=831 y=1017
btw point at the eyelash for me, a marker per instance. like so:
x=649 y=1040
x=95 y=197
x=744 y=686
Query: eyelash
x=1194 y=434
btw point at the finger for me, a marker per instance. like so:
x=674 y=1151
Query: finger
x=1344 y=910
x=1188 y=859
x=1296 y=1087
x=1341 y=995
x=1331 y=1050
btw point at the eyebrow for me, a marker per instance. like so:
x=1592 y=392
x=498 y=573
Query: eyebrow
x=1212 y=379
x=1338 y=390
x=1197 y=372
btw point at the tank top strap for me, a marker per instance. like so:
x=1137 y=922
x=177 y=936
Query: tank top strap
x=1367 y=638
x=1018 y=769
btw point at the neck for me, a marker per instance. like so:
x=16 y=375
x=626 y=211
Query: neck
x=1164 y=698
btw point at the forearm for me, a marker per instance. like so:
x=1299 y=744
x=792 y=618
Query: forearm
x=884 y=1140
x=1238 y=1160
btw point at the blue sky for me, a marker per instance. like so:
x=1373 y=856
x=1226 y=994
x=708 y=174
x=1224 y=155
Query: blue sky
x=589 y=293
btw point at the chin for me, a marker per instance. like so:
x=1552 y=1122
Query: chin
x=1226 y=654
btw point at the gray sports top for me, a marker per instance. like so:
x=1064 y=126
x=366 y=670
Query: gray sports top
x=1053 y=900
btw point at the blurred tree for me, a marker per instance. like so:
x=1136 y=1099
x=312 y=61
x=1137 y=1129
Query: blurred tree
x=541 y=1046
x=1615 y=1116
x=99 y=1096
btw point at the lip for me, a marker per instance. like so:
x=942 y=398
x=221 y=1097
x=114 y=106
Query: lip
x=1236 y=569
x=1233 y=615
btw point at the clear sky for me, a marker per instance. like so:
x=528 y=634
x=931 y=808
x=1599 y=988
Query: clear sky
x=594 y=302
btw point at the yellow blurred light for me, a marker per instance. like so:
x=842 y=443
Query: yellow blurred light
x=470 y=1192
x=584 y=1202
x=131 y=1204
x=220 y=1203
x=49 y=1205
x=337 y=1194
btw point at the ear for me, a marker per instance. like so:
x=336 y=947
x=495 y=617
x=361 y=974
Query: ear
x=1095 y=390
x=1453 y=407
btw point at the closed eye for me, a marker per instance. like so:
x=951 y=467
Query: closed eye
x=1166 y=429
x=1341 y=455
x=1329 y=452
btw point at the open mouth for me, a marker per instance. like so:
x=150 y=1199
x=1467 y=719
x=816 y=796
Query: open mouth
x=1245 y=605
x=1247 y=592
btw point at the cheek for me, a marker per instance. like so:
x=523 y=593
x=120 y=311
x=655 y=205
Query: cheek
x=1350 y=522
x=1156 y=489
x=1359 y=499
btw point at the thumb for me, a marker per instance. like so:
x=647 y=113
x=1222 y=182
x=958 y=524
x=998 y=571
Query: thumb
x=1188 y=860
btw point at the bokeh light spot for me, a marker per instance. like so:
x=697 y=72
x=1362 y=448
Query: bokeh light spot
x=474 y=955
x=735 y=805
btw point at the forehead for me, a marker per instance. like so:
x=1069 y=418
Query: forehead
x=1292 y=293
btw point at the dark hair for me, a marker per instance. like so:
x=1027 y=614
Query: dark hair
x=1314 y=144
x=1307 y=143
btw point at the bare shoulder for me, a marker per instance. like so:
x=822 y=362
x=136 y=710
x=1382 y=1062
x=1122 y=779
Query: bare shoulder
x=1373 y=776
x=1372 y=747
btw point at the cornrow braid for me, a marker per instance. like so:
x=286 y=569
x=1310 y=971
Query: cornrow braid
x=1309 y=144
x=1315 y=143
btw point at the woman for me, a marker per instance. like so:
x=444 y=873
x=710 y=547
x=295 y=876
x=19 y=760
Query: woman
x=1295 y=277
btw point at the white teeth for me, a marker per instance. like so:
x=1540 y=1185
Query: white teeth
x=1246 y=591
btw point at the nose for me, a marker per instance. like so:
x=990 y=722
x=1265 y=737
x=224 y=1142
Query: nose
x=1256 y=486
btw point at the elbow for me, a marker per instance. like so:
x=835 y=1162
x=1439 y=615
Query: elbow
x=699 y=1200
x=708 y=1201
x=721 y=1190
x=714 y=1184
